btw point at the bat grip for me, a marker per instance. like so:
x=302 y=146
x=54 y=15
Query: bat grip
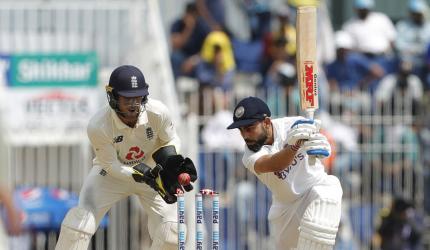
x=310 y=113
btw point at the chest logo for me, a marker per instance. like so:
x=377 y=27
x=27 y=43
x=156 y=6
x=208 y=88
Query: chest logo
x=118 y=139
x=134 y=153
x=149 y=133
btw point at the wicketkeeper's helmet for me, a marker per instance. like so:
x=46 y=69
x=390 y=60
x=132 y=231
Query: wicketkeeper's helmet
x=127 y=81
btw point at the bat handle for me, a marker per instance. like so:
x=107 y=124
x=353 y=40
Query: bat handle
x=311 y=160
x=310 y=114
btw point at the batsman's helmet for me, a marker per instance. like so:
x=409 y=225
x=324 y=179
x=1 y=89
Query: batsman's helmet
x=127 y=81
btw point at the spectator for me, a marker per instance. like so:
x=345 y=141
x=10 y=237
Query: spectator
x=212 y=12
x=373 y=34
x=13 y=220
x=187 y=37
x=277 y=56
x=215 y=72
x=286 y=29
x=218 y=63
x=400 y=163
x=282 y=74
x=401 y=228
x=283 y=94
x=424 y=136
x=259 y=14
x=415 y=30
x=214 y=136
x=427 y=62
x=284 y=35
x=350 y=71
x=403 y=88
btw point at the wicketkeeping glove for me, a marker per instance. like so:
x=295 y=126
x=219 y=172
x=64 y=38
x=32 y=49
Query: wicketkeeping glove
x=144 y=174
x=317 y=145
x=173 y=166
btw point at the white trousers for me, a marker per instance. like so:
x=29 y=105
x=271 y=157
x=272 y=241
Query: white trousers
x=100 y=192
x=285 y=219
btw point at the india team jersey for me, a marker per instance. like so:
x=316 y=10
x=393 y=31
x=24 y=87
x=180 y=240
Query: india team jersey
x=118 y=146
x=290 y=183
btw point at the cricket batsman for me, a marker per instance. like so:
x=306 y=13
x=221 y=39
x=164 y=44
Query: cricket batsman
x=285 y=155
x=135 y=145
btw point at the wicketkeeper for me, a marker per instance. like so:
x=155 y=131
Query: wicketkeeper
x=135 y=145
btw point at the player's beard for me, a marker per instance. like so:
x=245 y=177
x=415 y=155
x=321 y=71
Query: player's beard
x=130 y=116
x=257 y=144
x=131 y=113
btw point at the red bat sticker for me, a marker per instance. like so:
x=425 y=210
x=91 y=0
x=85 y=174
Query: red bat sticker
x=310 y=83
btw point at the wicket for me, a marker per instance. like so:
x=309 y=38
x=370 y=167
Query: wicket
x=199 y=219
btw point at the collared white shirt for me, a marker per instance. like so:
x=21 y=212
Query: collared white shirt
x=373 y=34
x=117 y=146
x=289 y=184
x=413 y=41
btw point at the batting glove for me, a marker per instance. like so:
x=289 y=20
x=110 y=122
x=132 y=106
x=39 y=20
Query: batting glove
x=318 y=146
x=301 y=130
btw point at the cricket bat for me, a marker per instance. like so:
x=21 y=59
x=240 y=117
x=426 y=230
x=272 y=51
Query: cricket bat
x=306 y=58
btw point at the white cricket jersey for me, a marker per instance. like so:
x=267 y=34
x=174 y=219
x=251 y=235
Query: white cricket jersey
x=117 y=146
x=293 y=181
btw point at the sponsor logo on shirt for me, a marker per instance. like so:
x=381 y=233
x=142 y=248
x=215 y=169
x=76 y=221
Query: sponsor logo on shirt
x=284 y=173
x=134 y=153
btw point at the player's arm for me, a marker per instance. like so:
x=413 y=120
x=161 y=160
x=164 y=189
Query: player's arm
x=170 y=163
x=275 y=162
x=302 y=132
x=168 y=155
x=107 y=158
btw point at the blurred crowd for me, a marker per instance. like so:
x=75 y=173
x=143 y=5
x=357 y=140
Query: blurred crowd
x=374 y=80
x=369 y=54
x=374 y=83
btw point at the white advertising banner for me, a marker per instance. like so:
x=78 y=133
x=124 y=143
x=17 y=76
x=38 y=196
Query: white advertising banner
x=48 y=116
